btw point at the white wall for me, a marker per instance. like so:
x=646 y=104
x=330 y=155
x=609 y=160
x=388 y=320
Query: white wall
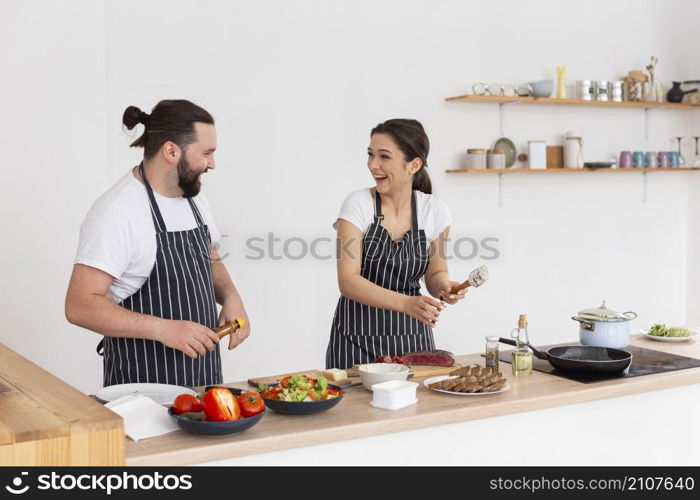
x=295 y=88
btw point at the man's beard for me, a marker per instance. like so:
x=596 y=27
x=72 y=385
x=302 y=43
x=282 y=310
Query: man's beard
x=188 y=179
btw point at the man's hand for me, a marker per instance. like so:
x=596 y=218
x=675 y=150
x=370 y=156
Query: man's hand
x=232 y=309
x=191 y=338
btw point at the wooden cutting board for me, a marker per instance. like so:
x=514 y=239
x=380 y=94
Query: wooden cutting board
x=418 y=370
x=273 y=379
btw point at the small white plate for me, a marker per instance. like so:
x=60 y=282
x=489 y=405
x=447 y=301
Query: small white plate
x=432 y=380
x=163 y=394
x=645 y=333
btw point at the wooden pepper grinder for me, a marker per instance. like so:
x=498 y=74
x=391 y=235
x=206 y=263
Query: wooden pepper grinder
x=229 y=327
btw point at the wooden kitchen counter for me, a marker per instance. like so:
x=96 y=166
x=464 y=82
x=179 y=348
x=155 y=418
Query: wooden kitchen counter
x=355 y=418
x=46 y=422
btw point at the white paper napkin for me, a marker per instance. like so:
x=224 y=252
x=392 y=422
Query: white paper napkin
x=143 y=417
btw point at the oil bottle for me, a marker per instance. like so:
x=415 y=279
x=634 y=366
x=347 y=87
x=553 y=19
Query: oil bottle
x=521 y=356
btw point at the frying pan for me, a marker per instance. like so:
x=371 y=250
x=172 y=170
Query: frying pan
x=586 y=358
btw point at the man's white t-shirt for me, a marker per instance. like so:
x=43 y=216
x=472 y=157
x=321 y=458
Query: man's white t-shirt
x=119 y=238
x=433 y=214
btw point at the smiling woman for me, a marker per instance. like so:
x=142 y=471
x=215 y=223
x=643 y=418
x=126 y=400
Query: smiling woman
x=389 y=237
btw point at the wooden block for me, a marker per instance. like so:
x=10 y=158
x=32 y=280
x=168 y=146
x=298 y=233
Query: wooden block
x=46 y=422
x=555 y=156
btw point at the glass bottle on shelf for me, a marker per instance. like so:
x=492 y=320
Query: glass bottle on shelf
x=521 y=356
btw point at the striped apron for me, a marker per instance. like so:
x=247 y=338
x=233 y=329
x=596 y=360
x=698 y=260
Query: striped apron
x=361 y=333
x=180 y=287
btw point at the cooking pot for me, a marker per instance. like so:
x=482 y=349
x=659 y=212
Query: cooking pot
x=604 y=327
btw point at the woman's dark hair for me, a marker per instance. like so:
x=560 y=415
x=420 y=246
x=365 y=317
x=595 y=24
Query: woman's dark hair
x=170 y=120
x=411 y=139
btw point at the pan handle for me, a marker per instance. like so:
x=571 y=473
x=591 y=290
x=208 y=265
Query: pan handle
x=539 y=354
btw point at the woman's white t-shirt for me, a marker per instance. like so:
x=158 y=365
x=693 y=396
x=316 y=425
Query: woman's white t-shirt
x=119 y=238
x=433 y=214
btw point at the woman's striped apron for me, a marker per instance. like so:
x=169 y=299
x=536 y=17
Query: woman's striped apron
x=361 y=333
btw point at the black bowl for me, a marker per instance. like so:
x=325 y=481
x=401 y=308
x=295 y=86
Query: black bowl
x=216 y=428
x=303 y=407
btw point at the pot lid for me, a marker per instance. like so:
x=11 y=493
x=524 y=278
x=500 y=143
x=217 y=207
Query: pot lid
x=602 y=313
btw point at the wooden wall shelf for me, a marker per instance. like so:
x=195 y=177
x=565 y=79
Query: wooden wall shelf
x=567 y=102
x=564 y=170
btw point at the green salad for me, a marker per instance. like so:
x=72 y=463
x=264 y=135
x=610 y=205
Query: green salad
x=298 y=388
x=661 y=330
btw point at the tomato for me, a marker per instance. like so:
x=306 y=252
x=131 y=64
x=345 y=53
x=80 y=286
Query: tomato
x=285 y=381
x=221 y=405
x=314 y=394
x=334 y=392
x=251 y=404
x=187 y=403
x=271 y=392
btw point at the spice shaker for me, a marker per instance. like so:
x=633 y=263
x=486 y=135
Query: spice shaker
x=601 y=90
x=586 y=90
x=491 y=353
x=229 y=327
x=616 y=93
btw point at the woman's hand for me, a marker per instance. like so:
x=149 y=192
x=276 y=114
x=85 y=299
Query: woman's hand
x=424 y=309
x=446 y=294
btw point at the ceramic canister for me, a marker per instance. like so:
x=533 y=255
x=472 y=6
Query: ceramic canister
x=663 y=159
x=476 y=158
x=495 y=160
x=638 y=160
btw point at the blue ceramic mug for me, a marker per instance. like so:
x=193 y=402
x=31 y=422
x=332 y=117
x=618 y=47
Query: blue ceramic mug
x=638 y=160
x=674 y=159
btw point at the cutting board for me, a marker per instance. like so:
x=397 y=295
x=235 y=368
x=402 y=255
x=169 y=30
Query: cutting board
x=273 y=379
x=418 y=370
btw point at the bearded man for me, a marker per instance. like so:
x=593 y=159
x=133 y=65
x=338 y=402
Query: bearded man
x=147 y=275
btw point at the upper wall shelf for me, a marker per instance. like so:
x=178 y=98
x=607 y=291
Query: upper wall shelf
x=567 y=102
